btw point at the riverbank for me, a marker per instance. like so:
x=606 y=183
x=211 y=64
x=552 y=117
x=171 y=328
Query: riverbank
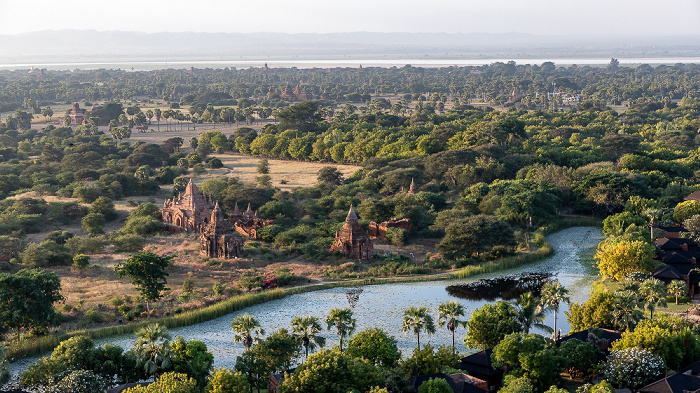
x=41 y=345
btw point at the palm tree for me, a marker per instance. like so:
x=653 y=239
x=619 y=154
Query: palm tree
x=625 y=313
x=306 y=329
x=677 y=288
x=416 y=319
x=342 y=320
x=653 y=294
x=551 y=296
x=153 y=347
x=246 y=329
x=529 y=313
x=448 y=313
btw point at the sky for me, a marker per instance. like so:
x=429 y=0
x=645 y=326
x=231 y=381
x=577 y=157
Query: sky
x=542 y=17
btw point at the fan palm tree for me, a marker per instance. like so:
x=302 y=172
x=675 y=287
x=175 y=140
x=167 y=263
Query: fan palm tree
x=653 y=293
x=246 y=330
x=153 y=347
x=306 y=328
x=625 y=312
x=342 y=320
x=417 y=319
x=529 y=313
x=448 y=313
x=551 y=296
x=677 y=288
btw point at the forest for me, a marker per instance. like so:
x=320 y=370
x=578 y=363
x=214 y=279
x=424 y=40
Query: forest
x=500 y=154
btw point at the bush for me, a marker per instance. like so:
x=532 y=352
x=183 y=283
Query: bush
x=396 y=236
x=223 y=380
x=79 y=381
x=169 y=383
x=632 y=368
x=46 y=253
x=81 y=262
x=435 y=385
x=142 y=225
x=215 y=163
x=86 y=245
x=127 y=243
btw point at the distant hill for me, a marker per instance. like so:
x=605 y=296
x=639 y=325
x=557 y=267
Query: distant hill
x=88 y=45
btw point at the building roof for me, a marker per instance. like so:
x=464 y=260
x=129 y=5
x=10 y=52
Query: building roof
x=695 y=196
x=479 y=363
x=667 y=272
x=676 y=383
x=352 y=216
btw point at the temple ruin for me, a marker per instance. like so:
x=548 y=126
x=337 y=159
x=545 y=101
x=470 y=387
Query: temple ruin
x=352 y=241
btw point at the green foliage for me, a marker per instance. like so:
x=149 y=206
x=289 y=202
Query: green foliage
x=685 y=210
x=27 y=298
x=191 y=358
x=417 y=319
x=376 y=346
x=531 y=356
x=578 y=356
x=397 y=236
x=342 y=320
x=81 y=262
x=632 y=368
x=671 y=338
x=435 y=385
x=602 y=387
x=429 y=361
x=489 y=324
x=127 y=242
x=46 y=253
x=223 y=380
x=246 y=330
x=513 y=384
x=171 y=382
x=4 y=370
x=596 y=312
x=78 y=381
x=331 y=371
x=146 y=271
x=104 y=206
x=474 y=235
x=618 y=258
x=94 y=224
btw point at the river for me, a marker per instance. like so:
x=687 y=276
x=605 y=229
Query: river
x=383 y=305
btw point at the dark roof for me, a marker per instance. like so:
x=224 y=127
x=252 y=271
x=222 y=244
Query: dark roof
x=693 y=368
x=676 y=383
x=665 y=243
x=121 y=388
x=457 y=387
x=667 y=272
x=12 y=391
x=604 y=334
x=479 y=363
x=694 y=196
x=671 y=229
x=674 y=257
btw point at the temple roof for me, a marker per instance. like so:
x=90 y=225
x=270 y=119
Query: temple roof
x=351 y=215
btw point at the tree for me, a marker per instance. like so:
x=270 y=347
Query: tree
x=81 y=262
x=531 y=356
x=376 y=346
x=223 y=380
x=617 y=259
x=552 y=295
x=625 y=314
x=152 y=346
x=652 y=292
x=263 y=167
x=27 y=298
x=448 y=312
x=278 y=351
x=513 y=384
x=331 y=371
x=489 y=324
x=473 y=235
x=669 y=337
x=677 y=288
x=632 y=368
x=146 y=271
x=417 y=319
x=94 y=224
x=169 y=383
x=302 y=116
x=578 y=356
x=191 y=358
x=435 y=385
x=104 y=206
x=685 y=210
x=4 y=370
x=246 y=330
x=306 y=329
x=342 y=320
x=596 y=312
x=330 y=175
x=529 y=313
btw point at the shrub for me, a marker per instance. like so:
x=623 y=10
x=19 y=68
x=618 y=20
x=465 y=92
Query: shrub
x=396 y=236
x=169 y=383
x=223 y=380
x=632 y=368
x=86 y=245
x=127 y=243
x=46 y=253
x=81 y=262
x=435 y=385
x=79 y=381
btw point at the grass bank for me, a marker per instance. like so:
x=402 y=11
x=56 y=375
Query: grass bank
x=41 y=345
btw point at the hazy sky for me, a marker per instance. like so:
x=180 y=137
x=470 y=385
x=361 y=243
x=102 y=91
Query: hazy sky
x=559 y=17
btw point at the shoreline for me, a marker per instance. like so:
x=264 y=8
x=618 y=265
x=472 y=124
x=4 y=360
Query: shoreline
x=43 y=345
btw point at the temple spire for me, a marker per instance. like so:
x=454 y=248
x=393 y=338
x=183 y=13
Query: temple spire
x=352 y=216
x=412 y=188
